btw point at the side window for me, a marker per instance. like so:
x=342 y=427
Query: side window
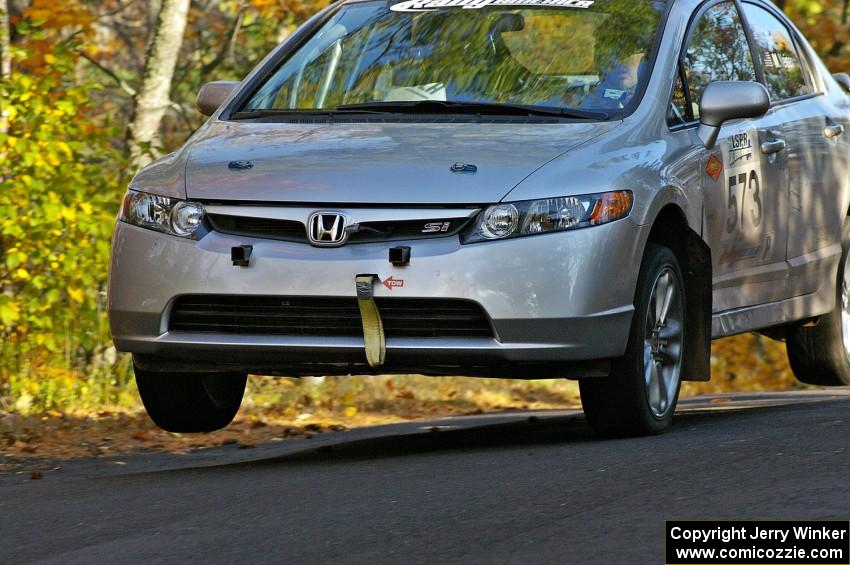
x=678 y=113
x=717 y=50
x=783 y=71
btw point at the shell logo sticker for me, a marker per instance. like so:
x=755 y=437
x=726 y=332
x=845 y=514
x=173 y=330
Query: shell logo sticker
x=714 y=167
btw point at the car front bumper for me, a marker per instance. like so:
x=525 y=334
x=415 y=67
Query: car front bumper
x=560 y=304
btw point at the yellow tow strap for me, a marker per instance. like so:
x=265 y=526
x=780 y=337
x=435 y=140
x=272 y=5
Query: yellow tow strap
x=373 y=328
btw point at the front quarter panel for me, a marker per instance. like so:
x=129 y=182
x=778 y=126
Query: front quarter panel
x=165 y=176
x=664 y=169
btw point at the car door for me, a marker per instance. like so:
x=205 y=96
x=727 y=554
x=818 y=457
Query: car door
x=745 y=179
x=813 y=150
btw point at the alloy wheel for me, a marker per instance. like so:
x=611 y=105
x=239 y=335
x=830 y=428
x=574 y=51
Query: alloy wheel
x=662 y=351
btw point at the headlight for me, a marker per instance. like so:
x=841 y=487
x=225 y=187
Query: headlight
x=162 y=214
x=532 y=217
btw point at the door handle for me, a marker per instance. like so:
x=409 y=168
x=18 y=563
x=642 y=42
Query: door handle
x=772 y=146
x=833 y=131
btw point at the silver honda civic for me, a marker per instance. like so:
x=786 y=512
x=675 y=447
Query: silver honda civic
x=585 y=189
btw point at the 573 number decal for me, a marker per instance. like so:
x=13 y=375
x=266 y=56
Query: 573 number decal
x=739 y=216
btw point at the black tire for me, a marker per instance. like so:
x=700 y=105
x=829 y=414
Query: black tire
x=619 y=405
x=190 y=402
x=817 y=354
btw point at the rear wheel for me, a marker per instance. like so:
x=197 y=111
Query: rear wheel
x=820 y=355
x=640 y=396
x=190 y=402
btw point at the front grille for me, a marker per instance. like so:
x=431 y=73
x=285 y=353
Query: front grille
x=264 y=228
x=370 y=232
x=327 y=316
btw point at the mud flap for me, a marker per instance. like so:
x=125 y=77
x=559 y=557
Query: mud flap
x=697 y=363
x=373 y=328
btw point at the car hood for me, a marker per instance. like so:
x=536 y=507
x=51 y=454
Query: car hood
x=373 y=163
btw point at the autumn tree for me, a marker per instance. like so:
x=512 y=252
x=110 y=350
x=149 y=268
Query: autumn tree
x=826 y=24
x=154 y=95
x=82 y=80
x=5 y=43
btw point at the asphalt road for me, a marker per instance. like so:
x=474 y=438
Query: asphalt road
x=532 y=487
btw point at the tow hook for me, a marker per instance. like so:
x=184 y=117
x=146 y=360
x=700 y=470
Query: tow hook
x=373 y=328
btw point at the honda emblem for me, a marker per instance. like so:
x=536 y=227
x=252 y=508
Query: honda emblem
x=327 y=229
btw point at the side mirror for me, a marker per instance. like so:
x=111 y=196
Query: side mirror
x=213 y=95
x=844 y=80
x=729 y=100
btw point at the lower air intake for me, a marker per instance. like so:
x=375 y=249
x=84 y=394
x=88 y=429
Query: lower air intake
x=327 y=316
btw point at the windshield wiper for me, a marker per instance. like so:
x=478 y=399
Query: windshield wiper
x=253 y=114
x=491 y=108
x=428 y=107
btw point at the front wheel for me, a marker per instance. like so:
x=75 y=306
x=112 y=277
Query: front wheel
x=190 y=402
x=640 y=396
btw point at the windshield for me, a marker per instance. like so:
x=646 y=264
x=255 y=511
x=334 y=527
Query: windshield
x=565 y=54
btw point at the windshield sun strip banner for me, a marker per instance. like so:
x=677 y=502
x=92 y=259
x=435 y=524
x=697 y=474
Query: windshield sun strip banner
x=429 y=5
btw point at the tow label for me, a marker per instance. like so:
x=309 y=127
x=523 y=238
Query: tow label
x=392 y=283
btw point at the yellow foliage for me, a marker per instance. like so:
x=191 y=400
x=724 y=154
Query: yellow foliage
x=60 y=183
x=76 y=295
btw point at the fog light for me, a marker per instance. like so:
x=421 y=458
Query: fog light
x=500 y=221
x=186 y=218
